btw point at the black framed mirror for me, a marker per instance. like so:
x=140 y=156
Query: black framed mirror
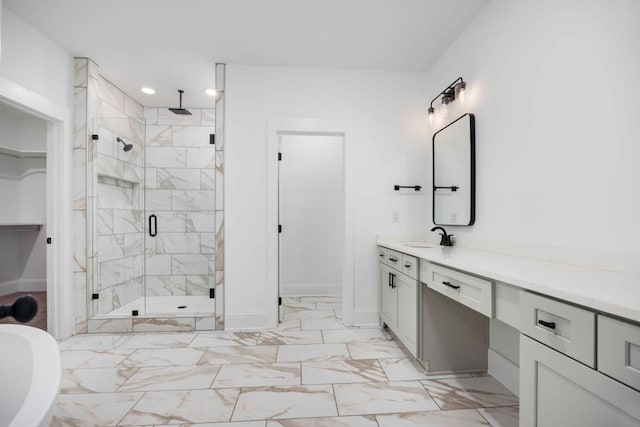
x=453 y=165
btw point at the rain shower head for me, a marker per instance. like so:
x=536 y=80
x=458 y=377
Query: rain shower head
x=127 y=147
x=180 y=110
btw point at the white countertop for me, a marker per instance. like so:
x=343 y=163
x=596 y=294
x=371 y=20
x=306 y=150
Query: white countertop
x=601 y=290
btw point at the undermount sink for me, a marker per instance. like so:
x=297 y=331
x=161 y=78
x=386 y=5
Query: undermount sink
x=418 y=245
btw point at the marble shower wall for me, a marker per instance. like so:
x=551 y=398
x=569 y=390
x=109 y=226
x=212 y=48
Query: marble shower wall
x=181 y=192
x=107 y=230
x=100 y=167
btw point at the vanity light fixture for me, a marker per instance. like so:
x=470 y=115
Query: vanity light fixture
x=210 y=92
x=148 y=90
x=455 y=90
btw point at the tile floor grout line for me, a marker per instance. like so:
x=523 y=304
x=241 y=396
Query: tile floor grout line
x=383 y=370
x=335 y=399
x=215 y=376
x=483 y=417
x=131 y=409
x=117 y=390
x=235 y=405
x=430 y=395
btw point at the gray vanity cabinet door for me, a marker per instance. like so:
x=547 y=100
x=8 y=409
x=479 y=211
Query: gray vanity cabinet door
x=555 y=390
x=388 y=297
x=407 y=293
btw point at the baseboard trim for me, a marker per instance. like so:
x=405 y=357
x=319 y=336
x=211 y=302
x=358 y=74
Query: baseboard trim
x=245 y=321
x=505 y=371
x=13 y=286
x=366 y=317
x=310 y=289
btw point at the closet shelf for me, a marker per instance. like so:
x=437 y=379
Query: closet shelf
x=20 y=227
x=22 y=154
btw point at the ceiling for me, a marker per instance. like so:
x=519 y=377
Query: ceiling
x=173 y=44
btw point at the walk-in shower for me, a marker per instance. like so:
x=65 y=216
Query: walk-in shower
x=151 y=217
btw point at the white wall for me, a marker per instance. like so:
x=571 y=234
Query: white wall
x=387 y=109
x=557 y=130
x=33 y=61
x=311 y=210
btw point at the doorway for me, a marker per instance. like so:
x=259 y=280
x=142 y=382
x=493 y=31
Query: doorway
x=59 y=253
x=315 y=129
x=23 y=216
x=311 y=215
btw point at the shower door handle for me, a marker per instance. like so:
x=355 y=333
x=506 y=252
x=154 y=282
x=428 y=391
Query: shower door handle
x=153 y=225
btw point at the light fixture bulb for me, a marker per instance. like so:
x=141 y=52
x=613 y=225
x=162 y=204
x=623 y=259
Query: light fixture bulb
x=462 y=93
x=431 y=114
x=148 y=90
x=210 y=92
x=444 y=110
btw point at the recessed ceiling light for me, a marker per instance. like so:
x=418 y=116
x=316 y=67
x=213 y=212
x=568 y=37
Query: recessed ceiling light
x=210 y=92
x=148 y=90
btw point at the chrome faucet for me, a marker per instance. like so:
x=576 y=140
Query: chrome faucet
x=445 y=239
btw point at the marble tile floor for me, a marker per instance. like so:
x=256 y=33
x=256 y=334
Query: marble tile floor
x=309 y=372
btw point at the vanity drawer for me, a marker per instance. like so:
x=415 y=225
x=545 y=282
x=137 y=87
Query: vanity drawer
x=382 y=254
x=394 y=259
x=410 y=266
x=474 y=292
x=619 y=350
x=569 y=329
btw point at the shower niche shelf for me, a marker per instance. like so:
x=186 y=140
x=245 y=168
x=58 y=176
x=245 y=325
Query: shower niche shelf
x=118 y=181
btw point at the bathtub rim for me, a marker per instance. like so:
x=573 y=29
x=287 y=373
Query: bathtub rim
x=39 y=403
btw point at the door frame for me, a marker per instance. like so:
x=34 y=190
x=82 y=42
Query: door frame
x=60 y=288
x=309 y=126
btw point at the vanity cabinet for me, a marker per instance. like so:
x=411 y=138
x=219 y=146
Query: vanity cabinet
x=556 y=390
x=399 y=297
x=562 y=383
x=579 y=356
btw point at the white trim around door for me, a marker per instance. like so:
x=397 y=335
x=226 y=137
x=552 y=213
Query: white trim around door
x=60 y=295
x=310 y=126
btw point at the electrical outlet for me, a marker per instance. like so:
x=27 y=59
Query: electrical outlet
x=395 y=218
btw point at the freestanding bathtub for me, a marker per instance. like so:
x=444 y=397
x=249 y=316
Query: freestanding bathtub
x=30 y=376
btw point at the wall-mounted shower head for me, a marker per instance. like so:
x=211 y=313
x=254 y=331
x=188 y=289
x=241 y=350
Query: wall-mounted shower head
x=127 y=147
x=181 y=111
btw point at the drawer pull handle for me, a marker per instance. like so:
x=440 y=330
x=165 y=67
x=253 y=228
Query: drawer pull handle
x=381 y=255
x=393 y=259
x=450 y=285
x=407 y=265
x=550 y=325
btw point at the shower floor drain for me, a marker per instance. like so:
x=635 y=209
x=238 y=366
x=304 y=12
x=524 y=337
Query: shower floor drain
x=182 y=306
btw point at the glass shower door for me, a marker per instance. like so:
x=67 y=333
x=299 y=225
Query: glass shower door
x=179 y=217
